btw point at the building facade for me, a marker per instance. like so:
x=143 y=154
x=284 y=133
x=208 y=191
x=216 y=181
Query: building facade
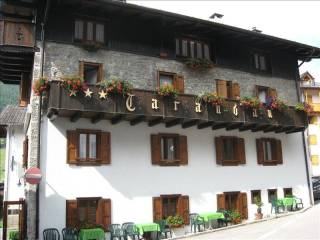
x=140 y=156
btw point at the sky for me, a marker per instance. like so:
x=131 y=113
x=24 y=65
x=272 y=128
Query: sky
x=293 y=20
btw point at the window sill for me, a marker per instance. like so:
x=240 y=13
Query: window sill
x=271 y=163
x=230 y=163
x=170 y=163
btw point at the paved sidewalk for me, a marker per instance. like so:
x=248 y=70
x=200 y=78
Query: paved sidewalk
x=300 y=226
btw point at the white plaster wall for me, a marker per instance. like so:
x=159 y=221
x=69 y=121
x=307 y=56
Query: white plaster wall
x=131 y=181
x=14 y=143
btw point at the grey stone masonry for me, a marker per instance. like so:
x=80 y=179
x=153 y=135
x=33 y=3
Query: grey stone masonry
x=141 y=71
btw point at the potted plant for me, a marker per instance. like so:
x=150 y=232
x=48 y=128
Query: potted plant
x=73 y=84
x=167 y=90
x=91 y=46
x=274 y=103
x=211 y=98
x=40 y=86
x=257 y=201
x=303 y=107
x=250 y=102
x=175 y=221
x=198 y=63
x=235 y=217
x=116 y=87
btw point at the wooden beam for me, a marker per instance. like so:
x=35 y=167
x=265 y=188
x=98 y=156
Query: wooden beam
x=299 y=129
x=284 y=129
x=116 y=119
x=232 y=126
x=173 y=122
x=137 y=120
x=98 y=117
x=216 y=126
x=188 y=124
x=155 y=121
x=204 y=125
x=271 y=129
x=246 y=127
x=75 y=117
x=260 y=128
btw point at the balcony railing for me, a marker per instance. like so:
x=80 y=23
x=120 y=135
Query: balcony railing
x=148 y=106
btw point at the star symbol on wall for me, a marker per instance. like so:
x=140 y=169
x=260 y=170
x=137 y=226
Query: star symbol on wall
x=102 y=94
x=72 y=93
x=88 y=93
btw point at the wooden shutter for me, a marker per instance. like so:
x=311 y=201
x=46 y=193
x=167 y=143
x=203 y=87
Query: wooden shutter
x=183 y=150
x=256 y=91
x=71 y=214
x=157 y=208
x=272 y=92
x=72 y=147
x=103 y=216
x=155 y=149
x=259 y=144
x=25 y=87
x=183 y=208
x=25 y=152
x=241 y=151
x=178 y=83
x=235 y=91
x=221 y=203
x=222 y=88
x=219 y=150
x=100 y=73
x=243 y=205
x=104 y=147
x=279 y=151
x=81 y=69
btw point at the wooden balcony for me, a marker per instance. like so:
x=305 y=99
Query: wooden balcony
x=149 y=107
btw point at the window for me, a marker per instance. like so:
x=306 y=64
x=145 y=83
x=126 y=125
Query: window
x=90 y=211
x=313 y=120
x=264 y=93
x=255 y=194
x=228 y=89
x=272 y=195
x=269 y=151
x=25 y=152
x=169 y=149
x=287 y=192
x=230 y=151
x=88 y=31
x=192 y=49
x=88 y=147
x=315 y=160
x=313 y=139
x=234 y=201
x=171 y=205
x=92 y=73
x=165 y=78
x=260 y=62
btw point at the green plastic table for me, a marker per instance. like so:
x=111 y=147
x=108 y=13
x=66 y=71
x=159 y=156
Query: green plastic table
x=288 y=201
x=211 y=216
x=94 y=233
x=147 y=227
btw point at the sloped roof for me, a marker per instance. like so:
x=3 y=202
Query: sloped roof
x=303 y=75
x=12 y=116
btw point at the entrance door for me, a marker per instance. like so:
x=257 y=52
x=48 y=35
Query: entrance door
x=13 y=220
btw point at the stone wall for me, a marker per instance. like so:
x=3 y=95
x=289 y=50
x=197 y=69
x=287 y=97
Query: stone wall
x=141 y=71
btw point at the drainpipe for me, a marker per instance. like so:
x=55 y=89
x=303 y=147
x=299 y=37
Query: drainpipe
x=306 y=160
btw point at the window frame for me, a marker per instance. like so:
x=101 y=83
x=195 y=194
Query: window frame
x=263 y=88
x=273 y=145
x=287 y=189
x=170 y=196
x=88 y=132
x=159 y=73
x=269 y=192
x=195 y=48
x=253 y=192
x=82 y=65
x=267 y=60
x=85 y=32
x=87 y=199
x=174 y=162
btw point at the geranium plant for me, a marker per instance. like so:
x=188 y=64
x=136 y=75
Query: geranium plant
x=73 y=83
x=167 y=90
x=198 y=63
x=211 y=98
x=116 y=86
x=303 y=107
x=250 y=102
x=276 y=104
x=175 y=221
x=40 y=85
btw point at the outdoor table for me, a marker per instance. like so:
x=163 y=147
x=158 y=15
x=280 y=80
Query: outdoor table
x=287 y=202
x=148 y=228
x=209 y=216
x=93 y=233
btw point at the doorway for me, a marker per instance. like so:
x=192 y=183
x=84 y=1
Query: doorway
x=14 y=220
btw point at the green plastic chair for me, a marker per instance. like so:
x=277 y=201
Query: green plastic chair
x=299 y=203
x=130 y=230
x=51 y=234
x=276 y=206
x=69 y=234
x=116 y=232
x=164 y=228
x=196 y=222
x=226 y=219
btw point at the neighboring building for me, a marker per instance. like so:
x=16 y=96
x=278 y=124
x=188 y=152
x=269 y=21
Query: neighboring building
x=141 y=157
x=310 y=90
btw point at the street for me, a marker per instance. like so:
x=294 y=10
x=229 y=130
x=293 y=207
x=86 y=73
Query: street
x=301 y=226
